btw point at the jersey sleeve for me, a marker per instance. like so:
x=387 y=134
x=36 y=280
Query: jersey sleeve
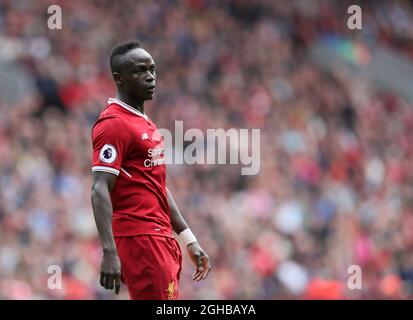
x=110 y=140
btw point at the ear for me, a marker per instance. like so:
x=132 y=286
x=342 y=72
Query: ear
x=117 y=78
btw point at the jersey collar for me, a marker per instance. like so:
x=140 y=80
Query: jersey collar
x=127 y=107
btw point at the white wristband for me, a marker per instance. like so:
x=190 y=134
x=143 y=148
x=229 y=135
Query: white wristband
x=187 y=236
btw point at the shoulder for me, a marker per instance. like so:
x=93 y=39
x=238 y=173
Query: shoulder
x=110 y=127
x=110 y=118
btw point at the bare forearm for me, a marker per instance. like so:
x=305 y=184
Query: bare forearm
x=178 y=222
x=102 y=212
x=196 y=253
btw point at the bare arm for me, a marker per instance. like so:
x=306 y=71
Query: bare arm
x=177 y=221
x=196 y=253
x=102 y=211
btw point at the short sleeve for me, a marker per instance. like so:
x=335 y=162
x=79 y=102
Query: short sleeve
x=110 y=141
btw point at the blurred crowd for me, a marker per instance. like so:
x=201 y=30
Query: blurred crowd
x=335 y=187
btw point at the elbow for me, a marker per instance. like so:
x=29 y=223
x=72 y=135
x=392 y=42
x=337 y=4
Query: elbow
x=94 y=197
x=96 y=193
x=93 y=194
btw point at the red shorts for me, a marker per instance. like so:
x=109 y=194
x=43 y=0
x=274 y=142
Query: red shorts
x=150 y=266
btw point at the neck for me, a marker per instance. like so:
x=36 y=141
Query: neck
x=132 y=101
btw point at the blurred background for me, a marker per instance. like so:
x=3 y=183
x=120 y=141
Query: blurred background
x=335 y=111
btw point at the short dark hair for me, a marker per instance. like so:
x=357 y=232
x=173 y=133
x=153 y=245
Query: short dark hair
x=119 y=51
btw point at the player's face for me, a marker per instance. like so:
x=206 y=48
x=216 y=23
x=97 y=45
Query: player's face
x=138 y=74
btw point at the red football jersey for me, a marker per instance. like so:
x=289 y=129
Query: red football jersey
x=127 y=143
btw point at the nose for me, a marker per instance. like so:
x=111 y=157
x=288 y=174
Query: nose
x=150 y=77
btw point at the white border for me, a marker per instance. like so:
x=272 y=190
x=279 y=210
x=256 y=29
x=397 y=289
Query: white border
x=126 y=172
x=106 y=169
x=127 y=107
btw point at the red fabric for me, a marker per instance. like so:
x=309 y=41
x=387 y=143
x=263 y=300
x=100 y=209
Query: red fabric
x=151 y=266
x=136 y=152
